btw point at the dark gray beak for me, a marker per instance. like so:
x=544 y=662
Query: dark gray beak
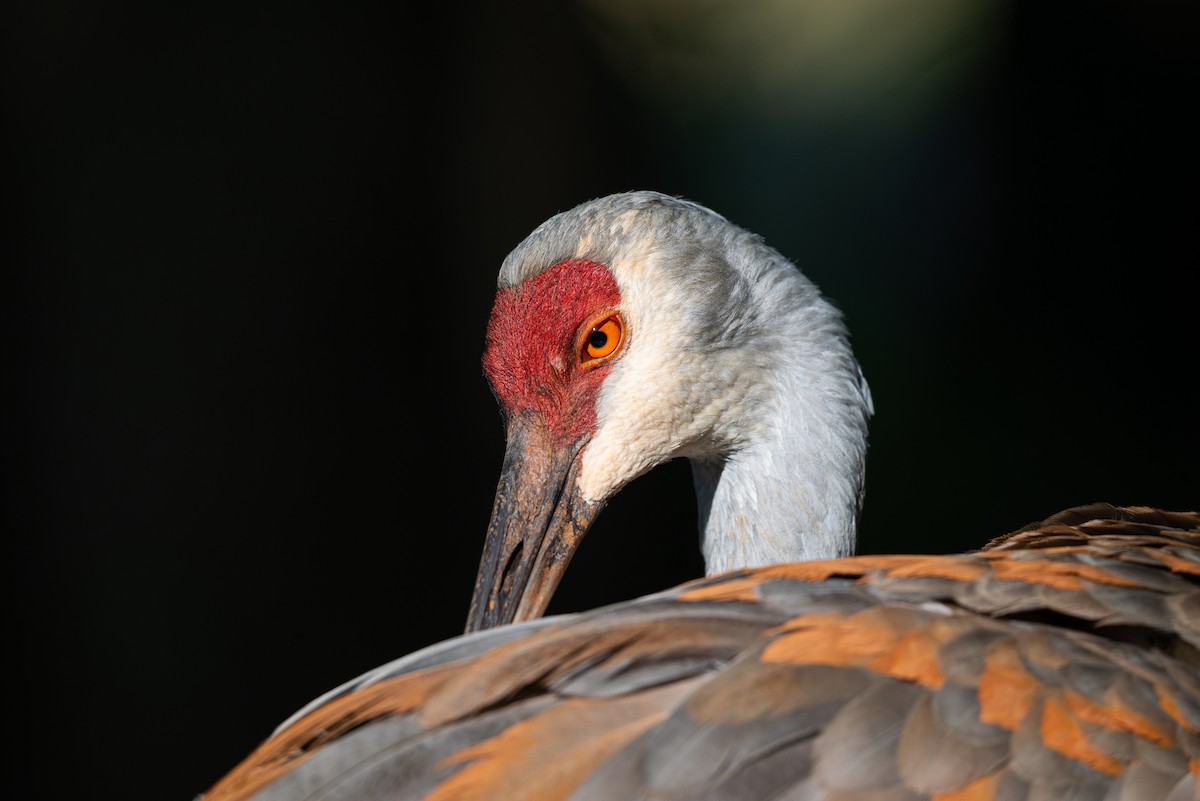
x=538 y=521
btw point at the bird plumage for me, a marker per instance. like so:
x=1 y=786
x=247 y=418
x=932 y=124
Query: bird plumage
x=1060 y=661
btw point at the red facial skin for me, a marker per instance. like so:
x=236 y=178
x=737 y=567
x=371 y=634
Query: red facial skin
x=532 y=356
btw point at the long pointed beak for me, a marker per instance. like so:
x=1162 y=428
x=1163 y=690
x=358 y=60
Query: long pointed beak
x=538 y=521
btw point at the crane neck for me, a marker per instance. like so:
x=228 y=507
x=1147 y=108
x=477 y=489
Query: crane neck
x=793 y=489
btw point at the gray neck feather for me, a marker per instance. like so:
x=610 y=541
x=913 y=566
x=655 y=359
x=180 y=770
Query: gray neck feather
x=790 y=487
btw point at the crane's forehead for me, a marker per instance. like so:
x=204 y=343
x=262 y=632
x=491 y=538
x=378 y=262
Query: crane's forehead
x=533 y=326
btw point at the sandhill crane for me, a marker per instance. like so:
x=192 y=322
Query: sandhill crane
x=1060 y=661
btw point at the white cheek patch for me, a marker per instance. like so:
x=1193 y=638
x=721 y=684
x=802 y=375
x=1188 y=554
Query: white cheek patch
x=651 y=407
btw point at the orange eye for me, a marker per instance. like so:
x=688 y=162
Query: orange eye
x=602 y=338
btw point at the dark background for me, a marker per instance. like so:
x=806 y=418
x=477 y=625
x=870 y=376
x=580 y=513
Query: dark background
x=248 y=449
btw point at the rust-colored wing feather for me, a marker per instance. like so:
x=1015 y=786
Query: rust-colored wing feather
x=1061 y=661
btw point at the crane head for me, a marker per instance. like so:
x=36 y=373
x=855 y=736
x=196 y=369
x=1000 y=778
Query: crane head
x=635 y=329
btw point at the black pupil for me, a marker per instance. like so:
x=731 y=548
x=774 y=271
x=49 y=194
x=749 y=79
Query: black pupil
x=597 y=338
